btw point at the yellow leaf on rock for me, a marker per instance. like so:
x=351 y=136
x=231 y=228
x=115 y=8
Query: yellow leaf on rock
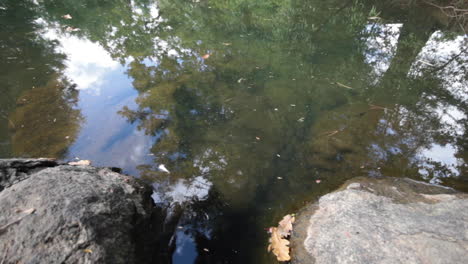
x=80 y=163
x=279 y=246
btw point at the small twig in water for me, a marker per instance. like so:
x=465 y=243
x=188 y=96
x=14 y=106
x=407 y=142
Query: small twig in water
x=378 y=107
x=344 y=86
x=330 y=133
x=9 y=120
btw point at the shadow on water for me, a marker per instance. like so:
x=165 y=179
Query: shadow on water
x=237 y=112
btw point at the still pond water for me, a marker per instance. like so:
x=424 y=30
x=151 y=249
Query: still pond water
x=253 y=106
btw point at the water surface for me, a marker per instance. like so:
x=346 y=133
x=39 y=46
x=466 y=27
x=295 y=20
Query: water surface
x=254 y=107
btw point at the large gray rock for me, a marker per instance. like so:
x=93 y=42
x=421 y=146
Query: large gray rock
x=73 y=214
x=384 y=221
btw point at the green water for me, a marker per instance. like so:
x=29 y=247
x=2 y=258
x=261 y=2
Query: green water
x=254 y=107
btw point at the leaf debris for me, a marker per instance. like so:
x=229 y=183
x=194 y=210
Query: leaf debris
x=80 y=163
x=285 y=225
x=163 y=168
x=279 y=246
x=279 y=243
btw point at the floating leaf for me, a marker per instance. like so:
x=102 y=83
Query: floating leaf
x=279 y=246
x=285 y=225
x=71 y=29
x=163 y=168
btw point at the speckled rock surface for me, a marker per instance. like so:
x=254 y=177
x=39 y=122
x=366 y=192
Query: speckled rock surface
x=53 y=213
x=390 y=220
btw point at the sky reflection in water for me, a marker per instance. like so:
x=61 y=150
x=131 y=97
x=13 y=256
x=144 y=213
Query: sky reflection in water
x=247 y=130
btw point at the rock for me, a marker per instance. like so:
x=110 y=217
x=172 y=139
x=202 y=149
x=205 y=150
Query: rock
x=15 y=170
x=73 y=214
x=388 y=220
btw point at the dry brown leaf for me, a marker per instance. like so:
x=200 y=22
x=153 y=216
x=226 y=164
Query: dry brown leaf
x=279 y=246
x=285 y=226
x=80 y=163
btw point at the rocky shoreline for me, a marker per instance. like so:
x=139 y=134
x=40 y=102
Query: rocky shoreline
x=57 y=213
x=387 y=220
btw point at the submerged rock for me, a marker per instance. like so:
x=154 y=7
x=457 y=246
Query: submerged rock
x=53 y=213
x=389 y=220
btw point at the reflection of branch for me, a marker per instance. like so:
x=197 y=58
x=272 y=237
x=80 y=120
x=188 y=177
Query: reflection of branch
x=449 y=61
x=453 y=8
x=336 y=13
x=9 y=120
x=453 y=11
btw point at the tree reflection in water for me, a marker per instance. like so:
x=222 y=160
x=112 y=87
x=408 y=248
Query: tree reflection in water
x=252 y=101
x=37 y=105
